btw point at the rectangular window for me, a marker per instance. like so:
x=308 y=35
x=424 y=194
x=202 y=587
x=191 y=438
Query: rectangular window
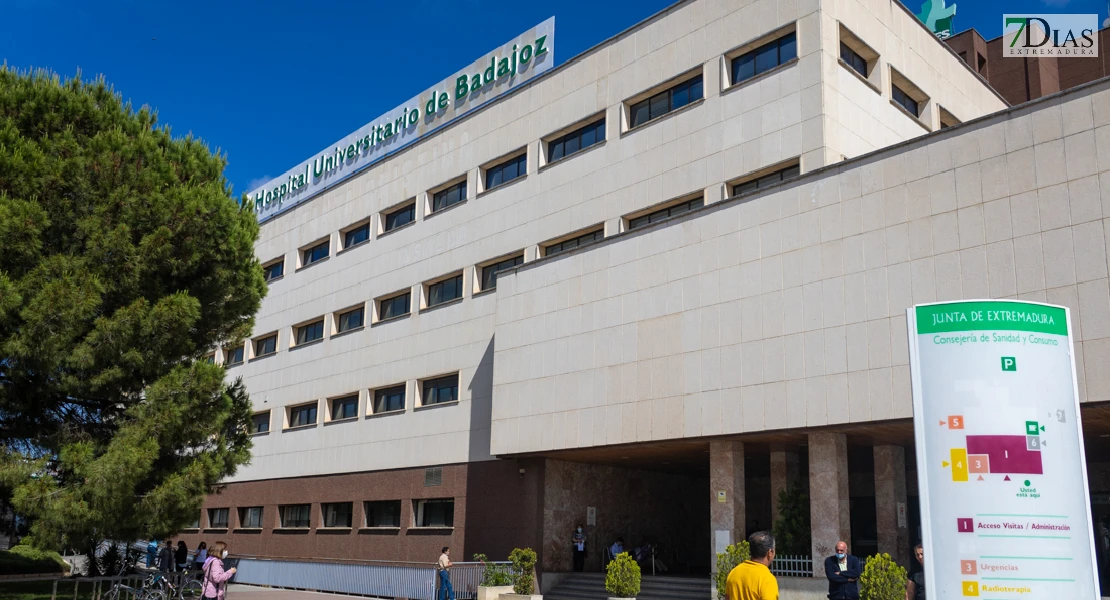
x=445 y=291
x=344 y=408
x=351 y=319
x=507 y=171
x=575 y=141
x=434 y=513
x=449 y=197
x=766 y=180
x=337 y=514
x=356 y=236
x=394 y=307
x=904 y=100
x=299 y=416
x=389 y=399
x=383 y=513
x=194 y=524
x=947 y=119
x=274 y=270
x=853 y=59
x=401 y=216
x=233 y=355
x=440 y=390
x=296 y=515
x=315 y=254
x=250 y=517
x=663 y=213
x=209 y=358
x=310 y=333
x=266 y=345
x=764 y=58
x=217 y=518
x=489 y=272
x=260 y=423
x=666 y=101
x=582 y=240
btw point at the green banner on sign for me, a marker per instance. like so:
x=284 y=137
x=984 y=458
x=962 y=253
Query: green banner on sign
x=991 y=316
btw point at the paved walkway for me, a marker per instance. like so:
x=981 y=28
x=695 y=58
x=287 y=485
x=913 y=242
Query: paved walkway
x=250 y=592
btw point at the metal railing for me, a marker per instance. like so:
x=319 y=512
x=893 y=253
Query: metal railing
x=786 y=565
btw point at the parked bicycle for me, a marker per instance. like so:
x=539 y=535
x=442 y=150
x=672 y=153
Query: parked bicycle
x=187 y=589
x=119 y=591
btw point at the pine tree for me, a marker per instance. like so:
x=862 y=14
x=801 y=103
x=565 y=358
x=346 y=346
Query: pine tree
x=123 y=260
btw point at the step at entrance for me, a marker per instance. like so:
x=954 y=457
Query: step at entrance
x=591 y=586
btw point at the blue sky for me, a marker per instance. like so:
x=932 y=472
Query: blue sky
x=271 y=83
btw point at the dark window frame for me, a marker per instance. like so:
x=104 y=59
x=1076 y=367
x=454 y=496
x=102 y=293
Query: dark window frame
x=388 y=395
x=390 y=222
x=217 y=524
x=784 y=48
x=245 y=517
x=361 y=229
x=268 y=270
x=344 y=402
x=449 y=196
x=344 y=318
x=310 y=255
x=369 y=513
x=506 y=171
x=771 y=178
x=420 y=513
x=260 y=420
x=234 y=355
x=853 y=59
x=669 y=211
x=489 y=272
x=328 y=520
x=662 y=103
x=572 y=143
x=316 y=327
x=436 y=386
x=392 y=300
x=311 y=421
x=578 y=241
x=905 y=101
x=289 y=523
x=455 y=282
x=261 y=342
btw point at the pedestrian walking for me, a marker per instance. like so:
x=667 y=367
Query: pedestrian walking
x=578 y=540
x=843 y=571
x=446 y=592
x=752 y=579
x=200 y=555
x=214 y=582
x=165 y=558
x=181 y=556
x=151 y=554
x=915 y=587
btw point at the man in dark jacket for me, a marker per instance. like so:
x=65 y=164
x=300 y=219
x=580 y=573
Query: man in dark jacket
x=165 y=558
x=843 y=571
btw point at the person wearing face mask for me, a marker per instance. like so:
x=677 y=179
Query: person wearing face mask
x=915 y=587
x=578 y=540
x=215 y=578
x=843 y=571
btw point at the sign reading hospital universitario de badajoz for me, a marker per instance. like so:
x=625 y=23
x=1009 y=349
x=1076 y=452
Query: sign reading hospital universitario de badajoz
x=1001 y=469
x=503 y=69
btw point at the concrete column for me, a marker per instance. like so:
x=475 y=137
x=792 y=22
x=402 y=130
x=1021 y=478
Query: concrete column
x=727 y=510
x=890 y=498
x=828 y=495
x=784 y=475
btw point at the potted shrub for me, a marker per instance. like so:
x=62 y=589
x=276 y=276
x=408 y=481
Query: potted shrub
x=524 y=575
x=882 y=579
x=622 y=578
x=496 y=579
x=727 y=561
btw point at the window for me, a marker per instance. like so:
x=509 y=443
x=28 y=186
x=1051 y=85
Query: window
x=666 y=101
x=209 y=358
x=764 y=58
x=352 y=319
x=217 y=518
x=251 y=517
x=574 y=242
x=507 y=171
x=274 y=270
x=300 y=416
x=310 y=333
x=383 y=513
x=901 y=98
x=663 y=213
x=195 y=523
x=947 y=119
x=260 y=423
x=853 y=59
x=440 y=390
x=577 y=140
x=394 y=307
x=434 y=513
x=266 y=345
x=389 y=399
x=489 y=272
x=357 y=235
x=445 y=291
x=766 y=180
x=344 y=408
x=337 y=514
x=233 y=355
x=296 y=515
x=401 y=216
x=315 y=254
x=449 y=196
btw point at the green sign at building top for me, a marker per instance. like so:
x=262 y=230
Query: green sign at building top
x=937 y=17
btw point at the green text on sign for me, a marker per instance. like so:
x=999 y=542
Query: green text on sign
x=988 y=316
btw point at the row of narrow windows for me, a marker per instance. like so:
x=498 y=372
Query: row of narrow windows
x=430 y=513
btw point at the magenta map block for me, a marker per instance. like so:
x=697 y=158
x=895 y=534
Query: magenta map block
x=1008 y=453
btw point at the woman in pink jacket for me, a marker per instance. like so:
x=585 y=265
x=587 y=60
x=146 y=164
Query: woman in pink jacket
x=215 y=578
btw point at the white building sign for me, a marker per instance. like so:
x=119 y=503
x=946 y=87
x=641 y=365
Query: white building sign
x=1003 y=480
x=503 y=69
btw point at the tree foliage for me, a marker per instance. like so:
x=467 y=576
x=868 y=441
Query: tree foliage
x=792 y=530
x=125 y=259
x=524 y=570
x=882 y=579
x=622 y=576
x=729 y=560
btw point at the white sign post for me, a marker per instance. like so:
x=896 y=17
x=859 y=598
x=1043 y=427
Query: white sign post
x=1005 y=507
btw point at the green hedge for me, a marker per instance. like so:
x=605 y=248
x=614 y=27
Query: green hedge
x=22 y=560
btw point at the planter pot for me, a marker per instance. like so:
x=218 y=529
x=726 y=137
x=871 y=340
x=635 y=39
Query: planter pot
x=511 y=596
x=494 y=592
x=612 y=598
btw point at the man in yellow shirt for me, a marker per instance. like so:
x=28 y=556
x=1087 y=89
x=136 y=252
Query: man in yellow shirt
x=752 y=579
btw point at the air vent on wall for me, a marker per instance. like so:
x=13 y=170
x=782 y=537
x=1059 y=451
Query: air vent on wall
x=433 y=476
